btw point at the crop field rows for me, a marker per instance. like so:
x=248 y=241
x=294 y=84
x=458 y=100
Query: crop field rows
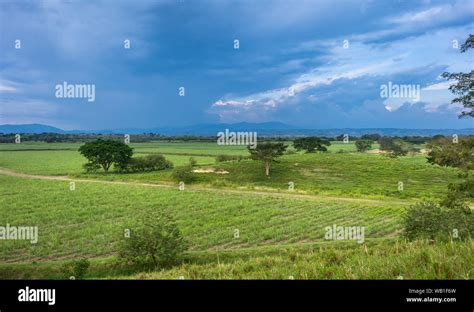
x=251 y=223
x=92 y=218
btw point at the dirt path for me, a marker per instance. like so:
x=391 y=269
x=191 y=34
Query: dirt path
x=12 y=173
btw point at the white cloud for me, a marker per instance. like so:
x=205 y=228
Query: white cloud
x=432 y=96
x=362 y=59
x=438 y=86
x=233 y=103
x=7 y=86
x=435 y=15
x=421 y=16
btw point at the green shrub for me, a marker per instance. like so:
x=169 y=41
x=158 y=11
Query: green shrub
x=224 y=158
x=192 y=161
x=147 y=163
x=75 y=269
x=363 y=145
x=459 y=217
x=438 y=221
x=183 y=174
x=154 y=240
x=311 y=144
x=290 y=151
x=423 y=220
x=394 y=147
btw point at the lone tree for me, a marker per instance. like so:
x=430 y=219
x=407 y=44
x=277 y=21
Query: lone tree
x=105 y=153
x=363 y=145
x=311 y=144
x=267 y=152
x=464 y=87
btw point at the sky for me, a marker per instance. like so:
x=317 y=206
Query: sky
x=312 y=64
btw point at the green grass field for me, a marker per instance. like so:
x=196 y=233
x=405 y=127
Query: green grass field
x=281 y=232
x=347 y=174
x=96 y=215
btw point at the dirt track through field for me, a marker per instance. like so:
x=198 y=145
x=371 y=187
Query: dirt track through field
x=12 y=173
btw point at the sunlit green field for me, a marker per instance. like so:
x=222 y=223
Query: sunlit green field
x=164 y=147
x=64 y=159
x=377 y=260
x=281 y=233
x=332 y=173
x=278 y=237
x=89 y=220
x=67 y=162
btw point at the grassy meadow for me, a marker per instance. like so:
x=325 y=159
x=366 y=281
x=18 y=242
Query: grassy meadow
x=343 y=174
x=281 y=231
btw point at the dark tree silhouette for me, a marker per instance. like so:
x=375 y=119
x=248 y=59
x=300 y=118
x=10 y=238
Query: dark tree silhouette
x=464 y=87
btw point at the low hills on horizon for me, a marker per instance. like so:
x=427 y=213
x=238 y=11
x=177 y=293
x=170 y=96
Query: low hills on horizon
x=265 y=129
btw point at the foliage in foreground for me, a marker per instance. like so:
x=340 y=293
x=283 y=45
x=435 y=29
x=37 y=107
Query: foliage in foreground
x=154 y=240
x=386 y=260
x=450 y=219
x=75 y=269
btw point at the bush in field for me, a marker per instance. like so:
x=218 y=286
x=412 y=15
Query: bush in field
x=224 y=158
x=106 y=153
x=439 y=221
x=76 y=269
x=445 y=152
x=290 y=151
x=184 y=174
x=155 y=240
x=192 y=161
x=363 y=145
x=371 y=137
x=394 y=147
x=311 y=144
x=414 y=150
x=147 y=163
x=463 y=190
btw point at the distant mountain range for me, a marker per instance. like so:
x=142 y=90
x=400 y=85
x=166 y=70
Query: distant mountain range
x=265 y=129
x=29 y=128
